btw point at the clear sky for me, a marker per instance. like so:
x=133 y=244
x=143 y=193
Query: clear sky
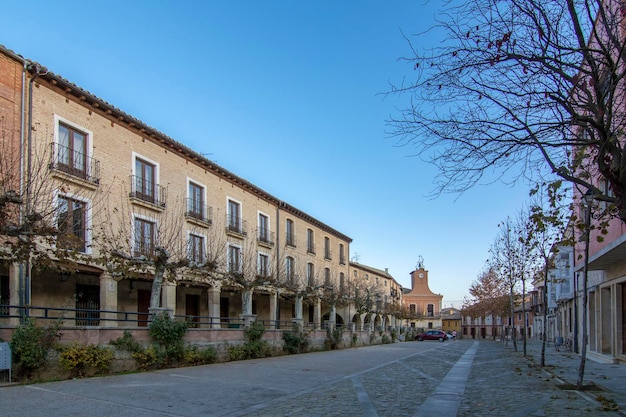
x=286 y=94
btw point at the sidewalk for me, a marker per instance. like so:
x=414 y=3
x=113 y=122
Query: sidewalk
x=564 y=365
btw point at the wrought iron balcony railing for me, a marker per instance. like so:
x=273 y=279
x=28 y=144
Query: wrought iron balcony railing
x=74 y=163
x=196 y=210
x=148 y=191
x=236 y=225
x=266 y=237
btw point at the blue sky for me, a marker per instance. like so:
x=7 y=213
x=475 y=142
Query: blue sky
x=286 y=94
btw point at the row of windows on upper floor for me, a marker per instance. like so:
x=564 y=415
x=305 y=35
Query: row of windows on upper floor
x=73 y=226
x=71 y=155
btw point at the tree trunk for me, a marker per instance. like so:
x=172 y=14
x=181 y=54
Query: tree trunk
x=583 y=355
x=157 y=283
x=525 y=330
x=246 y=301
x=545 y=313
x=513 y=335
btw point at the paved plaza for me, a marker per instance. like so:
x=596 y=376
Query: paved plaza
x=462 y=378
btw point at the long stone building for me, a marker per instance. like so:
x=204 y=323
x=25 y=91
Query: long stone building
x=103 y=203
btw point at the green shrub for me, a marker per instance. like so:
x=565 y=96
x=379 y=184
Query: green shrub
x=30 y=344
x=128 y=343
x=333 y=338
x=394 y=335
x=79 y=359
x=168 y=334
x=146 y=358
x=254 y=347
x=194 y=355
x=296 y=341
x=385 y=339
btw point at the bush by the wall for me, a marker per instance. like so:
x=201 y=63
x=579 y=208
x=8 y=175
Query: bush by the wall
x=333 y=338
x=296 y=341
x=30 y=344
x=83 y=359
x=168 y=334
x=254 y=347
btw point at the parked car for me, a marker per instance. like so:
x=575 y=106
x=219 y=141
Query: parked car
x=432 y=335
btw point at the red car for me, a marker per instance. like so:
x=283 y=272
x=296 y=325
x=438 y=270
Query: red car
x=432 y=335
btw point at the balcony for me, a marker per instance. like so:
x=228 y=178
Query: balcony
x=265 y=237
x=236 y=226
x=328 y=254
x=148 y=192
x=198 y=213
x=290 y=240
x=310 y=248
x=74 y=164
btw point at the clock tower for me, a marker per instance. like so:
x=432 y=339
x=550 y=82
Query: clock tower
x=421 y=299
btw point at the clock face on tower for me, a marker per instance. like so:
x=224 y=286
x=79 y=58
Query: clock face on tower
x=421 y=275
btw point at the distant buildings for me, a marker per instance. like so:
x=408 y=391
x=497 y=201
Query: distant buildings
x=423 y=305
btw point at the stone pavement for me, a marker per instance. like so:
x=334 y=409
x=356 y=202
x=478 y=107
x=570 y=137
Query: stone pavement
x=505 y=383
x=463 y=378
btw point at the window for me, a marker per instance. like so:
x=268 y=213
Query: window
x=234 y=217
x=144 y=235
x=310 y=241
x=145 y=181
x=263 y=265
x=327 y=282
x=195 y=202
x=71 y=151
x=234 y=259
x=290 y=269
x=412 y=308
x=71 y=224
x=327 y=254
x=342 y=282
x=430 y=310
x=264 y=228
x=290 y=233
x=310 y=274
x=342 y=255
x=355 y=274
x=196 y=249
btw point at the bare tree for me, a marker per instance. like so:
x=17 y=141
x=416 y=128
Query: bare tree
x=45 y=206
x=506 y=259
x=521 y=89
x=489 y=296
x=157 y=238
x=549 y=216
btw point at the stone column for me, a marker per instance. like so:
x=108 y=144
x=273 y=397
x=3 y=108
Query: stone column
x=317 y=315
x=108 y=300
x=168 y=297
x=214 y=306
x=246 y=302
x=273 y=309
x=14 y=293
x=298 y=321
x=332 y=317
x=246 y=307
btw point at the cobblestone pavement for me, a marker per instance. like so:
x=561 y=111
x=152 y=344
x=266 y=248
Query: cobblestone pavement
x=501 y=383
x=464 y=378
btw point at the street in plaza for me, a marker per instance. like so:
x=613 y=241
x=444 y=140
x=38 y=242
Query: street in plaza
x=463 y=378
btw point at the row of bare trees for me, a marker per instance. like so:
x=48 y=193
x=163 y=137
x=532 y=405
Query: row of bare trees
x=50 y=221
x=527 y=91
